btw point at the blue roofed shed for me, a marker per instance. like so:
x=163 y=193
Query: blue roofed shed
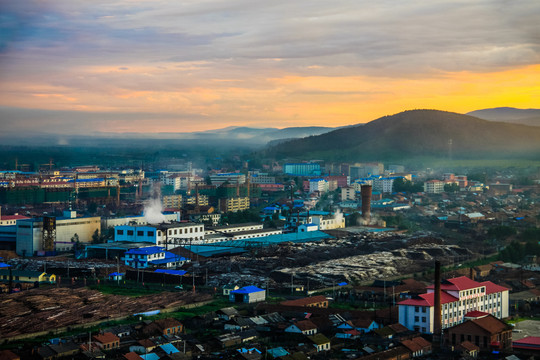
x=247 y=294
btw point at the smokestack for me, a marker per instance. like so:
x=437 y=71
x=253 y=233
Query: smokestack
x=365 y=191
x=197 y=208
x=437 y=322
x=248 y=177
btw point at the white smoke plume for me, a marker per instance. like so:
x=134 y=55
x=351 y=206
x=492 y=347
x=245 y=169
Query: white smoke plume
x=153 y=208
x=152 y=211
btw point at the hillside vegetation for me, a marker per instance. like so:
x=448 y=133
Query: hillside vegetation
x=417 y=133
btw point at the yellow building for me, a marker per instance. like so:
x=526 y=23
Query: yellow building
x=172 y=201
x=234 y=204
x=24 y=276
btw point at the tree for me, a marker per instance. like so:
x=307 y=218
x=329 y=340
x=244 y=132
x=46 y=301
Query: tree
x=75 y=238
x=97 y=238
x=452 y=188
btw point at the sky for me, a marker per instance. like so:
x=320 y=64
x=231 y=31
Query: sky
x=79 y=66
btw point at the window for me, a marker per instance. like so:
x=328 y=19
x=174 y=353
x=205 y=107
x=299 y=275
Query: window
x=140 y=233
x=416 y=309
x=423 y=319
x=130 y=232
x=150 y=233
x=120 y=232
x=416 y=319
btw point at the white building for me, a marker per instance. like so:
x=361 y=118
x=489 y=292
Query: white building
x=30 y=232
x=459 y=296
x=434 y=187
x=167 y=235
x=231 y=178
x=329 y=222
x=348 y=193
x=319 y=185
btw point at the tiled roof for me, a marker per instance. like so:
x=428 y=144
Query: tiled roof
x=492 y=288
x=306 y=325
x=459 y=283
x=168 y=323
x=476 y=314
x=469 y=346
x=411 y=345
x=428 y=299
x=491 y=324
x=132 y=356
x=106 y=338
x=305 y=301
x=528 y=342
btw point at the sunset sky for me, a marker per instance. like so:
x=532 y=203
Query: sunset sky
x=186 y=65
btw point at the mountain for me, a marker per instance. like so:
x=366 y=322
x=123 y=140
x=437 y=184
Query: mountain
x=509 y=115
x=416 y=133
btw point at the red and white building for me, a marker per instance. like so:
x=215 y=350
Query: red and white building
x=459 y=297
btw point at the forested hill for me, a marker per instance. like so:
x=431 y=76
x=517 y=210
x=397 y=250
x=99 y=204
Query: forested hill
x=417 y=133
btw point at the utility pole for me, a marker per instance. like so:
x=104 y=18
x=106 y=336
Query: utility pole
x=292 y=284
x=117 y=271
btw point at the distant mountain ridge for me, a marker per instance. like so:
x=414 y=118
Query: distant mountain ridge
x=416 y=133
x=509 y=115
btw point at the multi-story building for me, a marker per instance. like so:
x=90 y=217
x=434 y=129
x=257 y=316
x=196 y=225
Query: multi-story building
x=231 y=178
x=234 y=204
x=302 y=169
x=434 y=186
x=459 y=296
x=68 y=230
x=319 y=185
x=172 y=201
x=348 y=193
x=167 y=235
x=256 y=177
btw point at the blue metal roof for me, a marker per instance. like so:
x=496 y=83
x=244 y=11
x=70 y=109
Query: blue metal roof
x=171 y=272
x=169 y=348
x=151 y=356
x=247 y=290
x=145 y=250
x=3 y=265
x=116 y=274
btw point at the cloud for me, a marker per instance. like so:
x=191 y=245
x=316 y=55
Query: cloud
x=217 y=60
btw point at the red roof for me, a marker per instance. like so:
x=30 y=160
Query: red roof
x=492 y=288
x=13 y=217
x=459 y=283
x=106 y=338
x=476 y=314
x=528 y=341
x=428 y=300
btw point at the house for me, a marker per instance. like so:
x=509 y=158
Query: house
x=468 y=349
x=250 y=354
x=238 y=324
x=305 y=327
x=486 y=332
x=247 y=294
x=107 y=341
x=321 y=342
x=227 y=313
x=228 y=288
x=365 y=325
x=418 y=346
x=116 y=276
x=168 y=326
x=63 y=349
x=315 y=301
